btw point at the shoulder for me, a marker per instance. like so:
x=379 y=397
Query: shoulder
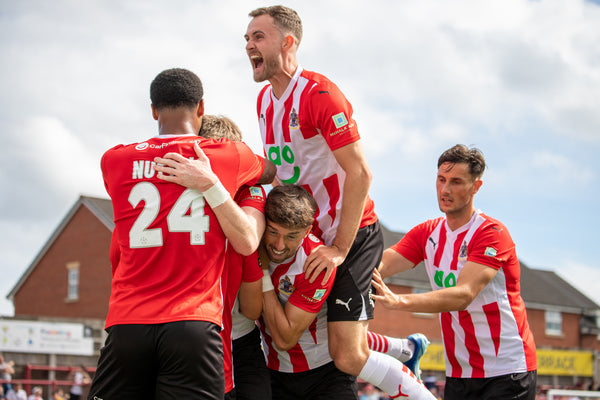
x=319 y=84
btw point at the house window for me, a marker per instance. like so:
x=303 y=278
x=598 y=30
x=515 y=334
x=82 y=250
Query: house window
x=553 y=323
x=72 y=281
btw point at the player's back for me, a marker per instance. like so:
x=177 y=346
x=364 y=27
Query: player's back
x=172 y=246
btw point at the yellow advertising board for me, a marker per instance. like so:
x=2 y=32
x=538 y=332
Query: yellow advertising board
x=565 y=362
x=550 y=362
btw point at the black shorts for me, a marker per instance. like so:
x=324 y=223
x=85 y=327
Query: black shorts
x=176 y=360
x=323 y=383
x=350 y=298
x=518 y=386
x=250 y=373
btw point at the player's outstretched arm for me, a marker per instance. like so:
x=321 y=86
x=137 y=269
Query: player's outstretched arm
x=470 y=282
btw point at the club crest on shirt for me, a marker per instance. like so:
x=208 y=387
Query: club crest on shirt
x=462 y=254
x=294 y=121
x=285 y=285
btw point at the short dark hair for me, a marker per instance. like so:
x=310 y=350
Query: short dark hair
x=460 y=153
x=174 y=88
x=286 y=19
x=290 y=206
x=219 y=126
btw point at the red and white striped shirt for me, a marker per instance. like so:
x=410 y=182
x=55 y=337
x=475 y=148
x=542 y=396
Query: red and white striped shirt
x=300 y=131
x=492 y=336
x=312 y=349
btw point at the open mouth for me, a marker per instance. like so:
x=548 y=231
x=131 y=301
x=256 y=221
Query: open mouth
x=257 y=61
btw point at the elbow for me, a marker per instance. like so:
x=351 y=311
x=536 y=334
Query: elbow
x=283 y=345
x=463 y=302
x=246 y=246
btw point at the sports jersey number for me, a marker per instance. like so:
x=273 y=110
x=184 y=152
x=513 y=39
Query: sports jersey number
x=178 y=220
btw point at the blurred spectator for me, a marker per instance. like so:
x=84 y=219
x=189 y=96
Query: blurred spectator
x=6 y=371
x=17 y=393
x=36 y=393
x=80 y=378
x=58 y=394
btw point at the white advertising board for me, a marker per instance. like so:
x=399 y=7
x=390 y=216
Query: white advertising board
x=45 y=338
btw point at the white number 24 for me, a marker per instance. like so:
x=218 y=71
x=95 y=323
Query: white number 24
x=196 y=223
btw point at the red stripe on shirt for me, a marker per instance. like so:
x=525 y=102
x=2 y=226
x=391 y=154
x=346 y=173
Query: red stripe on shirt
x=315 y=228
x=439 y=251
x=333 y=189
x=475 y=357
x=449 y=345
x=492 y=314
x=298 y=359
x=458 y=244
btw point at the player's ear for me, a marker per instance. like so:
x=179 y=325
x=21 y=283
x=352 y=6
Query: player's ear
x=289 y=42
x=200 y=109
x=476 y=185
x=154 y=112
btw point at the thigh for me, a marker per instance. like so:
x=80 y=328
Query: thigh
x=323 y=383
x=518 y=386
x=334 y=384
x=190 y=354
x=127 y=366
x=350 y=298
x=250 y=373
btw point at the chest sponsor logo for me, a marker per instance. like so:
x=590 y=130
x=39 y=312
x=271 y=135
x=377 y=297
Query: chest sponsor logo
x=278 y=156
x=142 y=146
x=444 y=280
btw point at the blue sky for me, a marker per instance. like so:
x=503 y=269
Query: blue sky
x=518 y=79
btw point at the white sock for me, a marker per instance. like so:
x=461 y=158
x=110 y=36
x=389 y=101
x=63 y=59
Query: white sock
x=393 y=377
x=402 y=349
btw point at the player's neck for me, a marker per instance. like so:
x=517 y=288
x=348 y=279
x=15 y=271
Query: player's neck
x=178 y=122
x=460 y=218
x=279 y=82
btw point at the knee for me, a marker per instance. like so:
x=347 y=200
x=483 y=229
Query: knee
x=348 y=360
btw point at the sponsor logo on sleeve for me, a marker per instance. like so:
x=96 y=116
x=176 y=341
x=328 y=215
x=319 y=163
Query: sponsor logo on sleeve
x=490 y=252
x=340 y=120
x=319 y=293
x=255 y=191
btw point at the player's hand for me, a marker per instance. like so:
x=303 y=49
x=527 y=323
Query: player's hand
x=194 y=174
x=323 y=258
x=384 y=295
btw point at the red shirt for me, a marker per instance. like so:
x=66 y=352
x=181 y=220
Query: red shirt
x=238 y=267
x=172 y=248
x=300 y=131
x=492 y=336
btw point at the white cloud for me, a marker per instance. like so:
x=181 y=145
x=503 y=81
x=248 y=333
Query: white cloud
x=561 y=169
x=582 y=276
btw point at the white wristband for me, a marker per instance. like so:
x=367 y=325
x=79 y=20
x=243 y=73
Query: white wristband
x=216 y=195
x=266 y=281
